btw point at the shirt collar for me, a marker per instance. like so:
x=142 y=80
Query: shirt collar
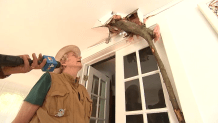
x=71 y=80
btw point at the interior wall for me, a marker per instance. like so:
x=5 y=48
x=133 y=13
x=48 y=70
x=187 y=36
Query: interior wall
x=193 y=59
x=192 y=49
x=108 y=68
x=113 y=84
x=11 y=92
x=104 y=71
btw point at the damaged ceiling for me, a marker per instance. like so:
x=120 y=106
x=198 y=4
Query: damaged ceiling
x=45 y=26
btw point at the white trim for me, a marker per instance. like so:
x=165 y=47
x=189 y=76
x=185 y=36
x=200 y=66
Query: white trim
x=131 y=78
x=179 y=75
x=140 y=81
x=94 y=118
x=94 y=95
x=120 y=95
x=148 y=111
x=165 y=7
x=145 y=118
x=98 y=101
x=134 y=112
x=142 y=75
x=122 y=114
x=166 y=97
x=97 y=107
x=101 y=77
x=150 y=73
x=105 y=51
x=158 y=111
x=208 y=14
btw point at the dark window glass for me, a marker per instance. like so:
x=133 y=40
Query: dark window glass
x=102 y=88
x=94 y=105
x=134 y=118
x=92 y=121
x=95 y=85
x=147 y=60
x=101 y=121
x=101 y=108
x=133 y=96
x=154 y=97
x=158 y=118
x=130 y=65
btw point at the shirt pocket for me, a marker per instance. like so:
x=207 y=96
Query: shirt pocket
x=88 y=106
x=57 y=104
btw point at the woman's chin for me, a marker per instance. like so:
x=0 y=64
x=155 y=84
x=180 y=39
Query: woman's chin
x=80 y=67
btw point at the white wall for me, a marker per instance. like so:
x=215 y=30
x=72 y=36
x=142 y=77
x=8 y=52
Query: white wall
x=192 y=50
x=11 y=92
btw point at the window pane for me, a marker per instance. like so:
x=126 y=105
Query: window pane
x=134 y=118
x=101 y=108
x=92 y=121
x=102 y=88
x=147 y=60
x=95 y=85
x=133 y=96
x=101 y=121
x=154 y=97
x=94 y=105
x=130 y=65
x=158 y=118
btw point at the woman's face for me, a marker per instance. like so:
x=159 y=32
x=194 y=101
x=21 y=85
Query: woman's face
x=73 y=61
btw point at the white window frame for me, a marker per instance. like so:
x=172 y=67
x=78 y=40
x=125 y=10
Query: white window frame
x=178 y=74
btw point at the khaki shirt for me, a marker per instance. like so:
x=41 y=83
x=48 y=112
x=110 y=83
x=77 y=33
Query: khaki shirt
x=62 y=103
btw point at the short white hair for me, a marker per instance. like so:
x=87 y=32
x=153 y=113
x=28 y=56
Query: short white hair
x=64 y=59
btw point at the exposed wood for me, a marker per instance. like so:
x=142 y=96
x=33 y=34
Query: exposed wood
x=148 y=35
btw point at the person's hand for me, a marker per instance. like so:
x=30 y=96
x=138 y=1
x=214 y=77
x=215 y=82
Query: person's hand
x=26 y=67
x=35 y=65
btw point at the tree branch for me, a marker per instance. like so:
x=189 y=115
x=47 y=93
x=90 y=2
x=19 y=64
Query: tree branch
x=147 y=34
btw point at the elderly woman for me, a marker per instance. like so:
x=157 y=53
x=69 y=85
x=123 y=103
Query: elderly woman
x=57 y=97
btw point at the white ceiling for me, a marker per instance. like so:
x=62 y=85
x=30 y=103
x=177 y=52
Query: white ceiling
x=45 y=26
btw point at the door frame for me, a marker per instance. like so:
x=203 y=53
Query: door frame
x=121 y=83
x=101 y=76
x=103 y=51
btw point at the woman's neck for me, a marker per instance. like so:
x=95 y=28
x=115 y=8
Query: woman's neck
x=71 y=71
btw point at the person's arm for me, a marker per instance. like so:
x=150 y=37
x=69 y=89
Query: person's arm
x=34 y=99
x=26 y=113
x=6 y=71
x=2 y=75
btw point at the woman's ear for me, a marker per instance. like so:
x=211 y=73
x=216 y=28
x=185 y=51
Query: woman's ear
x=63 y=63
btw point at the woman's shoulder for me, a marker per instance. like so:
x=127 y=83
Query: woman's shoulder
x=56 y=75
x=84 y=90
